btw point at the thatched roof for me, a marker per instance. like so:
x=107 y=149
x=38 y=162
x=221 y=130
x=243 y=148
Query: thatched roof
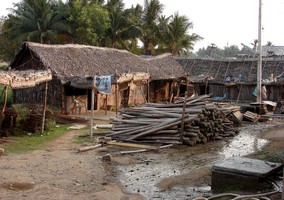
x=24 y=79
x=218 y=69
x=72 y=60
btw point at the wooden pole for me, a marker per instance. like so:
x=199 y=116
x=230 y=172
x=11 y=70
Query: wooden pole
x=116 y=96
x=106 y=105
x=44 y=107
x=92 y=107
x=63 y=102
x=259 y=66
x=183 y=110
x=148 y=91
x=283 y=186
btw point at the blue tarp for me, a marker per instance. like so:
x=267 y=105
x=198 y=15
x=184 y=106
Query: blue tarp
x=103 y=84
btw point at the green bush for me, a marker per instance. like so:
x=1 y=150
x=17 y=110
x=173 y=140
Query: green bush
x=9 y=96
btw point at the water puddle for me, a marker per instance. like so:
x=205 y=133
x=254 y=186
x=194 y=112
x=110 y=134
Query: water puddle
x=16 y=186
x=245 y=143
x=174 y=165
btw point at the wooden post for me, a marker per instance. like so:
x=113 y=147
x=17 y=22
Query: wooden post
x=63 y=107
x=106 y=105
x=178 y=88
x=283 y=186
x=44 y=107
x=92 y=107
x=116 y=96
x=148 y=91
x=183 y=110
x=116 y=90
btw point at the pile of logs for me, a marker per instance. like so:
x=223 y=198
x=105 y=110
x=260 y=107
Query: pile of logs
x=186 y=122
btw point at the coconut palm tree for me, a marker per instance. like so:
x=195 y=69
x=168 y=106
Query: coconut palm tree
x=149 y=24
x=118 y=22
x=124 y=26
x=175 y=36
x=37 y=21
x=269 y=43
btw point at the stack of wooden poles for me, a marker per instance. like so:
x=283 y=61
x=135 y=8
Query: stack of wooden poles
x=187 y=122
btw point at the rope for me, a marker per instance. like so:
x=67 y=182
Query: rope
x=260 y=196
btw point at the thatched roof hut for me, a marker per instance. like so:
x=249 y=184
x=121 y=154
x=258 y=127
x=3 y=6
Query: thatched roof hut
x=74 y=66
x=73 y=60
x=236 y=77
x=218 y=69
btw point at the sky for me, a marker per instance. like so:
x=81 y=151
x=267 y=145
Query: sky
x=222 y=22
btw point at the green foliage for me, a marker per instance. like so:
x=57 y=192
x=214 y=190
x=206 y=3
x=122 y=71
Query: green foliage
x=7 y=46
x=123 y=30
x=4 y=66
x=89 y=22
x=23 y=112
x=50 y=125
x=175 y=35
x=99 y=23
x=36 y=21
x=9 y=96
x=27 y=144
x=213 y=51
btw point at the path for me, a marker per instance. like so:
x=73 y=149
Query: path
x=58 y=172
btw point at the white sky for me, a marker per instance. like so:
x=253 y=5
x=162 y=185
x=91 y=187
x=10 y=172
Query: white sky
x=222 y=22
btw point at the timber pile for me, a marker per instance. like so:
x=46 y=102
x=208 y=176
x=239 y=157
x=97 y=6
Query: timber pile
x=190 y=123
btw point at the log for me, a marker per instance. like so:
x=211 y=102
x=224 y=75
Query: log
x=82 y=149
x=160 y=123
x=104 y=126
x=161 y=127
x=140 y=150
x=190 y=134
x=124 y=144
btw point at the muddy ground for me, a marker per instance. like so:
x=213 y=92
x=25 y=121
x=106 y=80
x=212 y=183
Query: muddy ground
x=58 y=171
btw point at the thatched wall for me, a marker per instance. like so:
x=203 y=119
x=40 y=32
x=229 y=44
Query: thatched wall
x=35 y=95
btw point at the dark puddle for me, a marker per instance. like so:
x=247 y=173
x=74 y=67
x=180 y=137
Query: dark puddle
x=152 y=168
x=18 y=186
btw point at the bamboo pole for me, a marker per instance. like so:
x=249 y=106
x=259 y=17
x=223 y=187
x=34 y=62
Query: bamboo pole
x=82 y=149
x=92 y=107
x=116 y=90
x=183 y=110
x=63 y=102
x=148 y=90
x=116 y=96
x=44 y=107
x=162 y=126
x=106 y=104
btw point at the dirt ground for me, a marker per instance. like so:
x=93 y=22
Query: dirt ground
x=60 y=172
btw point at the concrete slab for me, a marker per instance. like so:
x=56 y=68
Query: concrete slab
x=242 y=173
x=248 y=166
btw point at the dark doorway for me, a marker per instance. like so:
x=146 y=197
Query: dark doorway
x=124 y=98
x=90 y=100
x=204 y=89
